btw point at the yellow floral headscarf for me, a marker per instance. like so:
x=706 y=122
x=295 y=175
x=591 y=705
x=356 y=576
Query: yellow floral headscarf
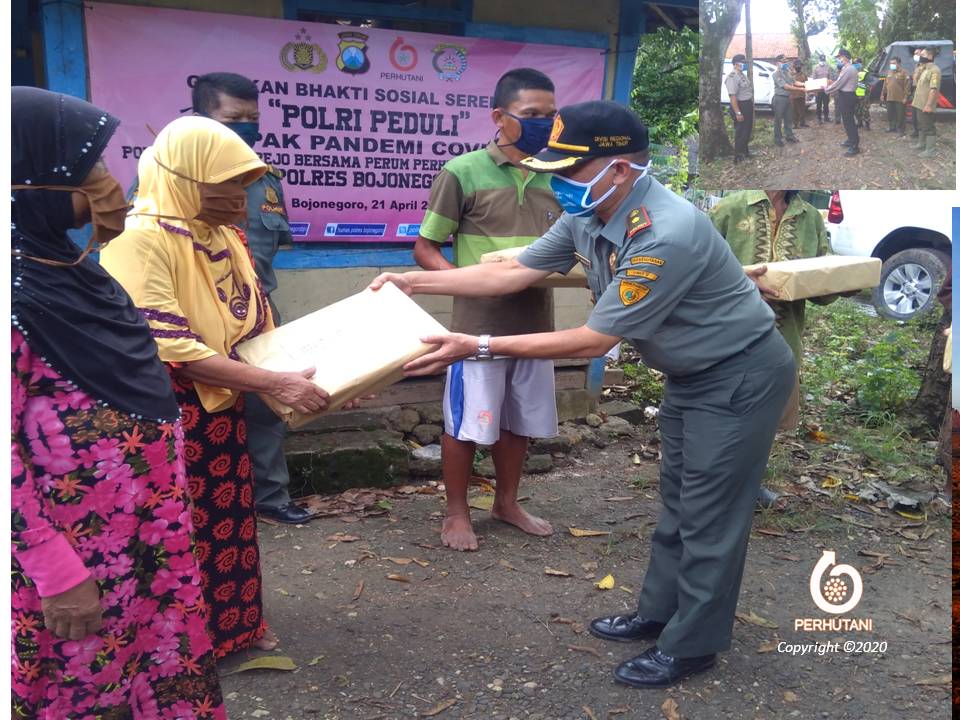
x=194 y=283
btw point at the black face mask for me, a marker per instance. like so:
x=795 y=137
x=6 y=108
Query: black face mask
x=925 y=59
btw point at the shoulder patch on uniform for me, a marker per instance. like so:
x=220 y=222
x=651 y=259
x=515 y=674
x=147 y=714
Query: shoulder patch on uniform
x=646 y=260
x=277 y=172
x=637 y=220
x=271 y=195
x=631 y=292
x=645 y=274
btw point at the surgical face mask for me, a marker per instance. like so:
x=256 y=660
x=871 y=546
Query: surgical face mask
x=743 y=66
x=534 y=133
x=785 y=66
x=857 y=65
x=916 y=58
x=893 y=66
x=108 y=211
x=249 y=132
x=822 y=62
x=574 y=197
x=220 y=203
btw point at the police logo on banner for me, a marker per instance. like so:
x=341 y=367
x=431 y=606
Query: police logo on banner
x=301 y=54
x=450 y=61
x=353 y=53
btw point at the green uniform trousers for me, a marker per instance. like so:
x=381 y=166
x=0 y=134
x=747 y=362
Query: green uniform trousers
x=716 y=429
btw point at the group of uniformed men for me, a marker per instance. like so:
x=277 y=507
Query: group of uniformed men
x=852 y=99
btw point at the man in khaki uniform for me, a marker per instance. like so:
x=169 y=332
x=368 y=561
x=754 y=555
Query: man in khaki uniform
x=925 y=102
x=896 y=86
x=740 y=90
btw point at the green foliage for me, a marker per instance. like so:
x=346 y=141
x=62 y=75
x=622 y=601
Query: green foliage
x=918 y=20
x=867 y=366
x=665 y=84
x=858 y=26
x=647 y=384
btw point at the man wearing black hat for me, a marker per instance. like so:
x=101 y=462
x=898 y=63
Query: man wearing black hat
x=740 y=90
x=665 y=280
x=846 y=104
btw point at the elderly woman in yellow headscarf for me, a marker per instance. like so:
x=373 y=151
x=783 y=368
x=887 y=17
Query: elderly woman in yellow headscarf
x=184 y=261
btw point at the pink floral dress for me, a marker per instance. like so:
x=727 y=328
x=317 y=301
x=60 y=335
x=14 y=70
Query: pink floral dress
x=97 y=492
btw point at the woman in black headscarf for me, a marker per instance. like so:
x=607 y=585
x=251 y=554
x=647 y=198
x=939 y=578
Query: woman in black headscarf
x=108 y=619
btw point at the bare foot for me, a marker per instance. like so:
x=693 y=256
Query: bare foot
x=457 y=533
x=516 y=515
x=269 y=641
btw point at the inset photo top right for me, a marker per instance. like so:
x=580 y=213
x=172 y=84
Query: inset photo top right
x=828 y=93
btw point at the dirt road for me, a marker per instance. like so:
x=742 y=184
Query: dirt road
x=491 y=636
x=886 y=161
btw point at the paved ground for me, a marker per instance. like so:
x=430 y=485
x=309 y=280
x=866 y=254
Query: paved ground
x=817 y=162
x=491 y=636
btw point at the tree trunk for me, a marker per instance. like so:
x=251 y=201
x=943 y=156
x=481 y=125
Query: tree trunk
x=718 y=21
x=803 y=47
x=935 y=390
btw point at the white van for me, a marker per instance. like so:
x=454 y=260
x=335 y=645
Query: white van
x=909 y=230
x=762 y=83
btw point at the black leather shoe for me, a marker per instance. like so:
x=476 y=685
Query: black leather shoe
x=845 y=143
x=290 y=514
x=656 y=669
x=778 y=143
x=625 y=628
x=793 y=140
x=851 y=151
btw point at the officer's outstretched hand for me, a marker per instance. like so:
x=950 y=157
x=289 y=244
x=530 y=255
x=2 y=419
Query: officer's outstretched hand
x=766 y=291
x=396 y=278
x=449 y=349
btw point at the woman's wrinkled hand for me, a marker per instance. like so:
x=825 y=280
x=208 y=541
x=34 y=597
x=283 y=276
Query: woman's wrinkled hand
x=295 y=390
x=75 y=613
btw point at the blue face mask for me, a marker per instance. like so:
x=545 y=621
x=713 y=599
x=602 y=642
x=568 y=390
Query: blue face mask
x=249 y=132
x=857 y=65
x=574 y=197
x=785 y=66
x=743 y=66
x=534 y=133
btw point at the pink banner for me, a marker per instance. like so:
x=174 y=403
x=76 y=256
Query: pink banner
x=359 y=119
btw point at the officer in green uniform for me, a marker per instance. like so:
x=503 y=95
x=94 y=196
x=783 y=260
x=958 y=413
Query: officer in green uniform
x=896 y=87
x=924 y=103
x=666 y=281
x=863 y=96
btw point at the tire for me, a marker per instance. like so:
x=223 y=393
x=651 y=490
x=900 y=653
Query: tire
x=909 y=283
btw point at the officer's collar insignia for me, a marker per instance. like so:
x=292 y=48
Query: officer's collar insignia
x=613 y=261
x=637 y=220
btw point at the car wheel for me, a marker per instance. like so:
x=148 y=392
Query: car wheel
x=909 y=283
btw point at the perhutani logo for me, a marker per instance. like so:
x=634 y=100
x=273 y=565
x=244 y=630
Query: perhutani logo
x=835 y=595
x=403 y=55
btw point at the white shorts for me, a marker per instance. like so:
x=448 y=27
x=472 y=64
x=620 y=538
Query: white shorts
x=483 y=396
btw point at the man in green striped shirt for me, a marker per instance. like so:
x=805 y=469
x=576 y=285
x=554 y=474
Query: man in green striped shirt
x=485 y=201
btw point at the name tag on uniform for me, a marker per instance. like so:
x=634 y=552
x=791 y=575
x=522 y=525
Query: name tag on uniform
x=583 y=261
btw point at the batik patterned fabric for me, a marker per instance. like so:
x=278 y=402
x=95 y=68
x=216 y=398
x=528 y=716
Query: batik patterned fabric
x=92 y=481
x=747 y=221
x=220 y=482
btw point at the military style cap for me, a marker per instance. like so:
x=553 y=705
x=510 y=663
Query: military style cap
x=739 y=57
x=843 y=52
x=599 y=128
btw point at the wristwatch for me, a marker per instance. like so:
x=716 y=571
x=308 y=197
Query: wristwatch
x=483 y=348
